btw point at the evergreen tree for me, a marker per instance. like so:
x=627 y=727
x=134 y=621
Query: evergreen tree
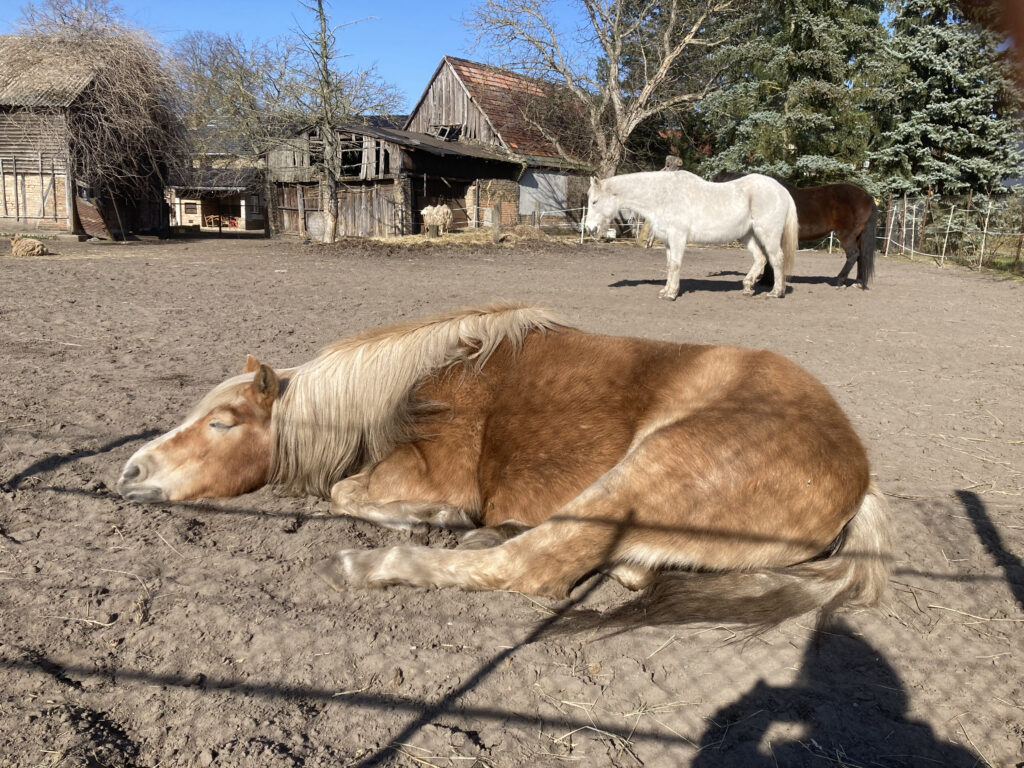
x=951 y=111
x=791 y=106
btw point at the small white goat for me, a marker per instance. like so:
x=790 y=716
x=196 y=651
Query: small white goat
x=27 y=246
x=439 y=215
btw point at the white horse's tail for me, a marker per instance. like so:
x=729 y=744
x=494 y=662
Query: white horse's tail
x=855 y=573
x=790 y=237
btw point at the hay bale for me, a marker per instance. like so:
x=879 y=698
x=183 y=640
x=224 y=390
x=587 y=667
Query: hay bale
x=27 y=246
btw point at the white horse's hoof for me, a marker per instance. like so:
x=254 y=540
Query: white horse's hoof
x=748 y=291
x=776 y=294
x=666 y=294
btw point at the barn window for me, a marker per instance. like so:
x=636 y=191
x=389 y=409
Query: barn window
x=191 y=208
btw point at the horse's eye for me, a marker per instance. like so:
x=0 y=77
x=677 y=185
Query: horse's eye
x=220 y=426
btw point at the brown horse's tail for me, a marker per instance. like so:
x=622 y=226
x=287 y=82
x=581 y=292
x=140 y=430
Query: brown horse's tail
x=855 y=573
x=866 y=259
x=790 y=233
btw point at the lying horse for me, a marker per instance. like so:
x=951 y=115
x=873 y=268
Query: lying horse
x=845 y=209
x=683 y=208
x=562 y=453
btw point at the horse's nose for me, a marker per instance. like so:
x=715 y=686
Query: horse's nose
x=134 y=472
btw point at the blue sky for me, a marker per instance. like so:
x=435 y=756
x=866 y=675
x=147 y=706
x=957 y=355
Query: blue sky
x=405 y=39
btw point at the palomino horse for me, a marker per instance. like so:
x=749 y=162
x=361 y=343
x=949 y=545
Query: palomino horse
x=642 y=457
x=845 y=209
x=683 y=208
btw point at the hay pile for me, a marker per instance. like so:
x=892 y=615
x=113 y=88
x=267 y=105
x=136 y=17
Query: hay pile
x=466 y=238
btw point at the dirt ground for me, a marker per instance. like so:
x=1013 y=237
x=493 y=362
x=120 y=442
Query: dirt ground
x=195 y=634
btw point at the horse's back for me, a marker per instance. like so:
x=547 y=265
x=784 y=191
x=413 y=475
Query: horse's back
x=537 y=426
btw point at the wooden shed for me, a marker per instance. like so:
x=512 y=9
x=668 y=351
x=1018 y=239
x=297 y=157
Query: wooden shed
x=387 y=177
x=466 y=144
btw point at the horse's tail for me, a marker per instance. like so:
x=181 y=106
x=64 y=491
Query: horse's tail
x=855 y=574
x=866 y=259
x=790 y=236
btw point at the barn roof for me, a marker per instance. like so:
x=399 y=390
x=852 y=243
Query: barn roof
x=40 y=71
x=501 y=95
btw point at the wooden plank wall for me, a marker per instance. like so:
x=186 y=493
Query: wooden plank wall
x=447 y=103
x=25 y=135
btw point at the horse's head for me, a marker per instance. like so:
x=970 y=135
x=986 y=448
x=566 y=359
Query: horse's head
x=601 y=208
x=222 y=448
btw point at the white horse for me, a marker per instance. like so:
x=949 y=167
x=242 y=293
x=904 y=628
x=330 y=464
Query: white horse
x=683 y=208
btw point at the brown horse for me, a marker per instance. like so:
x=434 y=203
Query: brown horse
x=727 y=480
x=845 y=209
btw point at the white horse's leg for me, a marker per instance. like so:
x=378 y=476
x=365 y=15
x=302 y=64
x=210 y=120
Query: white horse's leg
x=778 y=290
x=351 y=497
x=758 y=267
x=674 y=249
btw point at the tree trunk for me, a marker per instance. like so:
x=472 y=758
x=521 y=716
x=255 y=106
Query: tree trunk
x=329 y=208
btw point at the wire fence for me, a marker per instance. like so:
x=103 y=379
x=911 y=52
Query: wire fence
x=973 y=230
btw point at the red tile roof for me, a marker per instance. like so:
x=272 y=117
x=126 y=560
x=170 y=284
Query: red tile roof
x=501 y=95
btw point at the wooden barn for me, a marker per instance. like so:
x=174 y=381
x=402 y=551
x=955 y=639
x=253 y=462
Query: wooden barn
x=465 y=144
x=42 y=81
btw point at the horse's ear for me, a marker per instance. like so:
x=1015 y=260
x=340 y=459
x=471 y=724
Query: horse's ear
x=265 y=386
x=594 y=183
x=251 y=364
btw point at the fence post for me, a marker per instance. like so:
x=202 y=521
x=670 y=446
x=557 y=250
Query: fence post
x=913 y=224
x=888 y=223
x=903 y=228
x=984 y=234
x=1020 y=241
x=496 y=221
x=946 y=238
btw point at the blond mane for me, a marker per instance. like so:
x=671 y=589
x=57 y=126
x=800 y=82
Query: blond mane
x=346 y=409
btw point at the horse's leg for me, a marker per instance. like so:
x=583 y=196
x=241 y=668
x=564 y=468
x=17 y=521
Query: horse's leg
x=852 y=249
x=492 y=535
x=674 y=247
x=757 y=268
x=351 y=497
x=547 y=560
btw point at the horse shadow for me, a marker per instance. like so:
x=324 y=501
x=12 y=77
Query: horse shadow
x=851 y=705
x=691 y=285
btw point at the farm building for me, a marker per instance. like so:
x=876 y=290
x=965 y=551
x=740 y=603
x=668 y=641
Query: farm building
x=465 y=144
x=221 y=199
x=222 y=191
x=44 y=83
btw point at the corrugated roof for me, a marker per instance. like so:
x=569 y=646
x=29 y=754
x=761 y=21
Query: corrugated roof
x=428 y=143
x=501 y=95
x=41 y=71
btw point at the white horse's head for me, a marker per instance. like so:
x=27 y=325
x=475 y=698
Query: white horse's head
x=601 y=208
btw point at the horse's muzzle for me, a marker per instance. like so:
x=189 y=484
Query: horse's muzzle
x=142 y=494
x=131 y=485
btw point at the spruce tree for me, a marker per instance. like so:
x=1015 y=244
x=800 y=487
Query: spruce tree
x=791 y=107
x=951 y=112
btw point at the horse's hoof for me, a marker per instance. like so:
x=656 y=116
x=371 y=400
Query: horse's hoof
x=748 y=291
x=667 y=296
x=348 y=568
x=776 y=294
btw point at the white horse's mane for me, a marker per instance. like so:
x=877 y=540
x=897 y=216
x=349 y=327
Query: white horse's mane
x=346 y=409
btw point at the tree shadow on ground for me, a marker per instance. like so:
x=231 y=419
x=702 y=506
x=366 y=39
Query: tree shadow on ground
x=847 y=707
x=988 y=533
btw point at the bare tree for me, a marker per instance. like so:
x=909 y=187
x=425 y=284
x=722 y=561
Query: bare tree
x=626 y=62
x=329 y=96
x=236 y=93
